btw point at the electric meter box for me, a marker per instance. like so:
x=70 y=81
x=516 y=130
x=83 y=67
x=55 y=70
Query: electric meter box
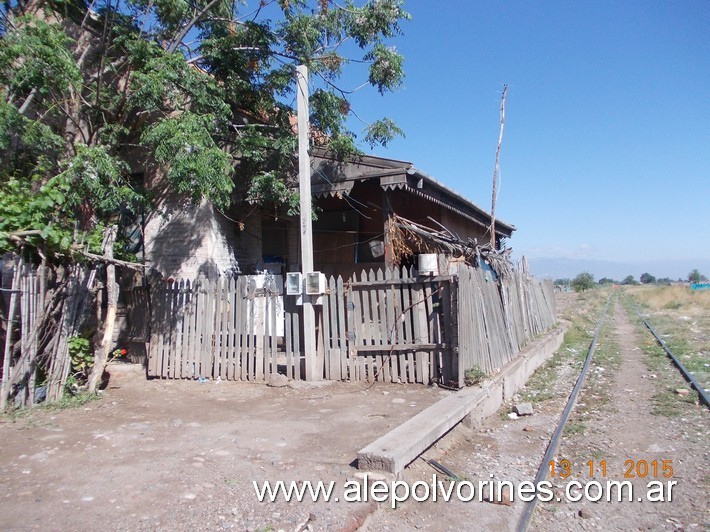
x=294 y=284
x=315 y=284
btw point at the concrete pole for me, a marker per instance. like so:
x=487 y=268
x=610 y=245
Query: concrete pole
x=304 y=188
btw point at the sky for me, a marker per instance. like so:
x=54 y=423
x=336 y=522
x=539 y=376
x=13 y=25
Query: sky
x=606 y=146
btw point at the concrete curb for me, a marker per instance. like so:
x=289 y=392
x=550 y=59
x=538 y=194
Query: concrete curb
x=402 y=445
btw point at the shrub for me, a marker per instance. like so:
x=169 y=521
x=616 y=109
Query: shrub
x=474 y=375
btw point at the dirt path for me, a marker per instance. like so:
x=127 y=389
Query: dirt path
x=634 y=444
x=164 y=455
x=612 y=421
x=177 y=455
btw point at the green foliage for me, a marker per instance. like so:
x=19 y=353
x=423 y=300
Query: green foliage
x=382 y=132
x=92 y=185
x=474 y=375
x=647 y=278
x=82 y=357
x=205 y=90
x=583 y=281
x=327 y=109
x=629 y=280
x=196 y=165
x=267 y=188
x=37 y=56
x=386 y=70
x=343 y=146
x=27 y=147
x=696 y=277
x=607 y=281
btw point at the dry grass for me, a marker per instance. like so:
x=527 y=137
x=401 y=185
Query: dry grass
x=682 y=317
x=671 y=297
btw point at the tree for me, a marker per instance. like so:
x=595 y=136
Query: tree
x=696 y=277
x=583 y=281
x=629 y=280
x=562 y=282
x=647 y=278
x=606 y=281
x=204 y=89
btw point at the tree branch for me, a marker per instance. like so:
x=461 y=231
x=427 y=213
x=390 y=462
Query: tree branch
x=111 y=260
x=176 y=42
x=28 y=100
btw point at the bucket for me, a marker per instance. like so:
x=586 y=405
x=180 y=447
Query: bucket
x=428 y=264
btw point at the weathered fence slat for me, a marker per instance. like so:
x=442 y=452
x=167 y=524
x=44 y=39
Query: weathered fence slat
x=407 y=372
x=346 y=369
x=384 y=325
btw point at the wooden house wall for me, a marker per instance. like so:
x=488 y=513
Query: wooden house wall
x=344 y=230
x=461 y=226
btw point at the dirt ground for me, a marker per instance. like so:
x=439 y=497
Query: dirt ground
x=624 y=433
x=615 y=430
x=174 y=455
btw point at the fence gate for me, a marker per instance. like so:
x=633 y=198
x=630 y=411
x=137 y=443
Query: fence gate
x=400 y=328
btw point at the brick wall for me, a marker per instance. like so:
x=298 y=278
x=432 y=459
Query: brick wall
x=183 y=240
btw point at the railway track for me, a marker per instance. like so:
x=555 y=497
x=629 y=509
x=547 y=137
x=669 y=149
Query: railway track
x=631 y=441
x=553 y=445
x=687 y=375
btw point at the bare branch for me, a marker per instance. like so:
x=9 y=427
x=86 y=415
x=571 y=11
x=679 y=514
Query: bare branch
x=28 y=100
x=117 y=262
x=496 y=169
x=176 y=42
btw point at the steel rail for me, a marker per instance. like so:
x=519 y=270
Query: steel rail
x=687 y=375
x=552 y=446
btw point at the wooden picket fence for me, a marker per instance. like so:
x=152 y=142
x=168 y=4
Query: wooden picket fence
x=500 y=316
x=387 y=326
x=219 y=328
x=382 y=325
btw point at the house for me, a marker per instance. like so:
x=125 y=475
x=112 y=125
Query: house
x=367 y=322
x=371 y=212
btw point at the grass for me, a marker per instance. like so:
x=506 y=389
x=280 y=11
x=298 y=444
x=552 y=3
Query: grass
x=682 y=318
x=474 y=375
x=670 y=297
x=540 y=385
x=68 y=401
x=596 y=390
x=583 y=317
x=574 y=428
x=667 y=403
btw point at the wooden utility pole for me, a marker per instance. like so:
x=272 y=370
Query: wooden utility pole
x=496 y=169
x=304 y=189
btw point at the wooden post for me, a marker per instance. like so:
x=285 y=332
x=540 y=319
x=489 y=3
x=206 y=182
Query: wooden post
x=496 y=169
x=304 y=178
x=102 y=354
x=7 y=355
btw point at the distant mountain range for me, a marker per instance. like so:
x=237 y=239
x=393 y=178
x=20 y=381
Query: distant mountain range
x=559 y=268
